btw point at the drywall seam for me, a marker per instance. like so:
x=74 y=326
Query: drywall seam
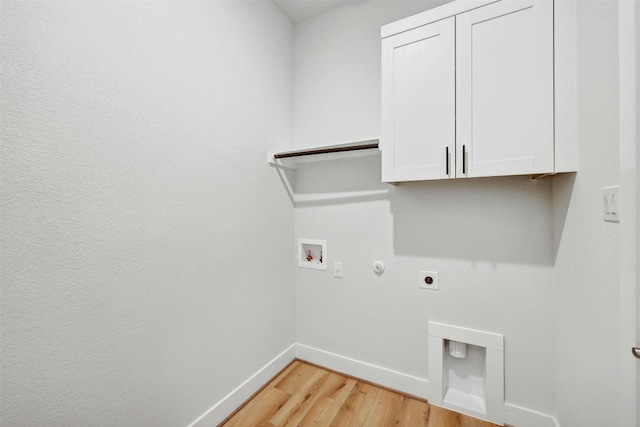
x=225 y=407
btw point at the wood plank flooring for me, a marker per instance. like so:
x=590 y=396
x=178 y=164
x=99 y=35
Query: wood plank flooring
x=306 y=395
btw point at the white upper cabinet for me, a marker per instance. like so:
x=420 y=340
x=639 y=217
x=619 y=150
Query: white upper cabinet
x=468 y=91
x=504 y=79
x=418 y=99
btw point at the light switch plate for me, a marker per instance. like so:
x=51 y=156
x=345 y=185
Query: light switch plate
x=429 y=280
x=611 y=204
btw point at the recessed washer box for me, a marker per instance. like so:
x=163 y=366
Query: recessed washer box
x=312 y=253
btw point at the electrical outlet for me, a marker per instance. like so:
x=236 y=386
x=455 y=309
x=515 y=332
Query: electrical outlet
x=337 y=270
x=429 y=280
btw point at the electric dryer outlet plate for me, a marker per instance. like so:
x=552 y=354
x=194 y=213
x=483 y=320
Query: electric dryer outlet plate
x=429 y=280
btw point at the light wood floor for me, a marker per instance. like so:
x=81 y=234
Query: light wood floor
x=306 y=395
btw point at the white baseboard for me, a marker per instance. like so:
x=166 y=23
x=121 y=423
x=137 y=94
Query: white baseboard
x=376 y=374
x=225 y=407
x=524 y=417
x=513 y=414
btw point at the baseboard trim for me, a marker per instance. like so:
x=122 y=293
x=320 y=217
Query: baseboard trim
x=408 y=384
x=366 y=371
x=232 y=401
x=525 y=417
x=513 y=414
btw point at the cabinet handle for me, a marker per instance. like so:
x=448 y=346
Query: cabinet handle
x=464 y=159
x=447 y=160
x=636 y=352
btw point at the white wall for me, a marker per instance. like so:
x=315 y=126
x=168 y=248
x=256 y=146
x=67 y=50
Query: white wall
x=337 y=71
x=586 y=273
x=147 y=255
x=143 y=279
x=490 y=239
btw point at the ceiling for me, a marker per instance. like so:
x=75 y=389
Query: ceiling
x=301 y=10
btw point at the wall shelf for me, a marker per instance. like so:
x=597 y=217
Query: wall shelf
x=289 y=159
x=286 y=162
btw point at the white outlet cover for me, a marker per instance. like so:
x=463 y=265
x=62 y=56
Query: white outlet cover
x=424 y=282
x=337 y=270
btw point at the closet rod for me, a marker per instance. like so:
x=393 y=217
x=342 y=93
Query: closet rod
x=326 y=150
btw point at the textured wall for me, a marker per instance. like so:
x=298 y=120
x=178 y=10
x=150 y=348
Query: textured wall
x=490 y=239
x=147 y=256
x=586 y=273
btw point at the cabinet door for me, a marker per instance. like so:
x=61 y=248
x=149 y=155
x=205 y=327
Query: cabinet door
x=418 y=98
x=504 y=54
